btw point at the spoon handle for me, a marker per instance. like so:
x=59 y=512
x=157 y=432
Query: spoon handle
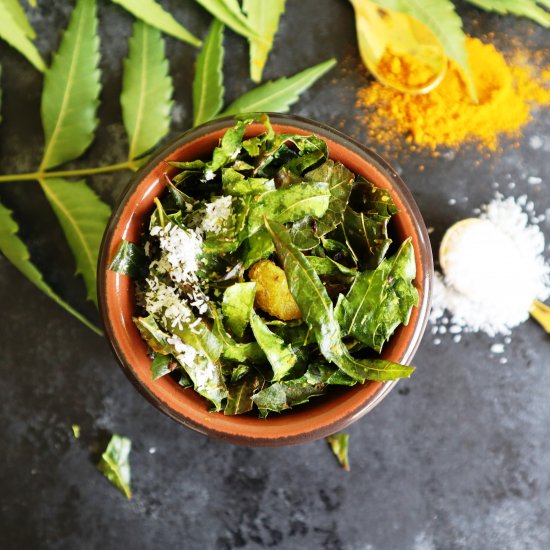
x=541 y=313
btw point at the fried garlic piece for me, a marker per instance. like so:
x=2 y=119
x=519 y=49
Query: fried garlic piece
x=272 y=293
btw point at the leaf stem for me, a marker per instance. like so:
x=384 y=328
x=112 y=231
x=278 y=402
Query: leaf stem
x=31 y=176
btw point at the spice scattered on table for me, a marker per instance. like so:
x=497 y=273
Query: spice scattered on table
x=508 y=93
x=494 y=270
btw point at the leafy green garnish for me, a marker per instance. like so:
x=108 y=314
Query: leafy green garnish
x=146 y=90
x=339 y=444
x=129 y=260
x=160 y=365
x=71 y=89
x=115 y=465
x=229 y=12
x=154 y=14
x=208 y=87
x=380 y=300
x=523 y=8
x=83 y=217
x=17 y=32
x=237 y=303
x=17 y=253
x=240 y=394
x=278 y=95
x=264 y=17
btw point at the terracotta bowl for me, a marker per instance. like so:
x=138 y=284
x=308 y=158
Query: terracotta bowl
x=324 y=415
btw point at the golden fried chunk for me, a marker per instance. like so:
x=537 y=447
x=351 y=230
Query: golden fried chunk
x=272 y=294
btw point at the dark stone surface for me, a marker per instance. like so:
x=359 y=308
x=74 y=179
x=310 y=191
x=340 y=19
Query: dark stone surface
x=457 y=458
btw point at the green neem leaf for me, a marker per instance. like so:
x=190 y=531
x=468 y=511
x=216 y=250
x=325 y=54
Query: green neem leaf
x=278 y=95
x=16 y=34
x=129 y=260
x=160 y=365
x=340 y=181
x=264 y=18
x=525 y=8
x=15 y=250
x=237 y=304
x=369 y=199
x=208 y=86
x=367 y=237
x=317 y=311
x=441 y=18
x=257 y=247
x=281 y=357
x=328 y=267
x=239 y=398
x=284 y=395
x=83 y=217
x=381 y=300
x=146 y=90
x=229 y=147
x=303 y=234
x=234 y=183
x=290 y=204
x=71 y=89
x=17 y=12
x=153 y=335
x=339 y=445
x=115 y=465
x=229 y=12
x=154 y=14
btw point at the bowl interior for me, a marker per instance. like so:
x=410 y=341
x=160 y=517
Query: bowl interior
x=322 y=416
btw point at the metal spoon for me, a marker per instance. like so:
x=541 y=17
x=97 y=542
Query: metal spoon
x=539 y=311
x=380 y=29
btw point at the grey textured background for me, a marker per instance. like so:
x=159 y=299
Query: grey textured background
x=456 y=458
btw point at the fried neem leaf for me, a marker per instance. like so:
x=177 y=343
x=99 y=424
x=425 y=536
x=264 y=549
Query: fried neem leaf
x=380 y=300
x=129 y=260
x=339 y=444
x=318 y=312
x=240 y=393
x=115 y=465
x=281 y=357
x=237 y=306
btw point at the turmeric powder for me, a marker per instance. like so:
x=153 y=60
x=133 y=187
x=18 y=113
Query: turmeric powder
x=446 y=116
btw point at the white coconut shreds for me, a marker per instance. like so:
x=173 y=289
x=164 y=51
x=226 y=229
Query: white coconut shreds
x=165 y=301
x=216 y=213
x=186 y=354
x=494 y=292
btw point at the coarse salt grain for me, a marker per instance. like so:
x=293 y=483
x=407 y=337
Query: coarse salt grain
x=494 y=278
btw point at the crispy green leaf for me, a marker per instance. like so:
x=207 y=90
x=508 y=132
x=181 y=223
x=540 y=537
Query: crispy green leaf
x=339 y=444
x=370 y=199
x=263 y=16
x=284 y=395
x=71 y=89
x=317 y=311
x=441 y=18
x=381 y=300
x=17 y=12
x=290 y=204
x=257 y=247
x=367 y=237
x=83 y=217
x=229 y=147
x=16 y=252
x=327 y=266
x=229 y=12
x=155 y=15
x=146 y=90
x=524 y=8
x=153 y=335
x=237 y=303
x=340 y=181
x=234 y=183
x=278 y=95
x=208 y=89
x=17 y=37
x=160 y=365
x=129 y=260
x=115 y=465
x=281 y=357
x=303 y=235
x=239 y=398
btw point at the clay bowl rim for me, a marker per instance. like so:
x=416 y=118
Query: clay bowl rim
x=315 y=421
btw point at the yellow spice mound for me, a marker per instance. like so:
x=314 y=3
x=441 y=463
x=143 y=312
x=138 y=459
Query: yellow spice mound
x=446 y=116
